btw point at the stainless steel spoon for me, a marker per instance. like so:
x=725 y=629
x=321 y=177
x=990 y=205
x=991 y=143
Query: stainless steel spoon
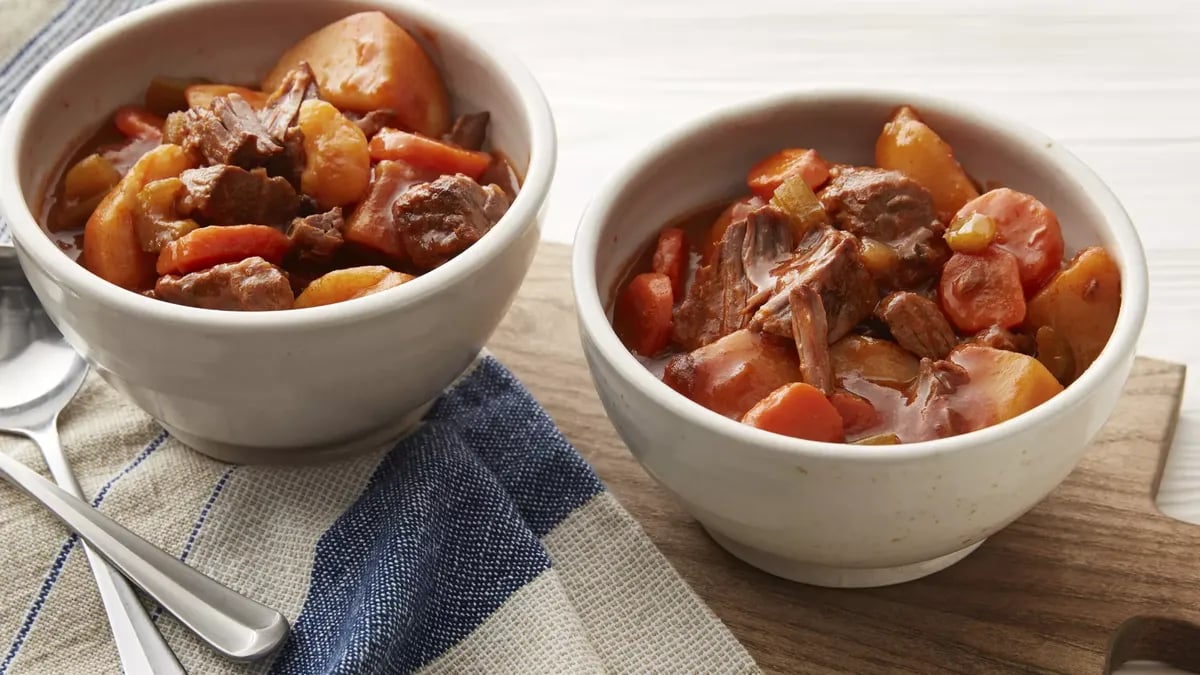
x=39 y=374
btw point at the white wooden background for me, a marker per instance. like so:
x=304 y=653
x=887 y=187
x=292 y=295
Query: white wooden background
x=1116 y=82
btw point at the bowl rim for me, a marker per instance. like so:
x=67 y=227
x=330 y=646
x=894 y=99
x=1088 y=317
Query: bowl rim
x=32 y=240
x=596 y=327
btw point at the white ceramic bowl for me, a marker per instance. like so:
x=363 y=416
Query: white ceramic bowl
x=272 y=386
x=831 y=514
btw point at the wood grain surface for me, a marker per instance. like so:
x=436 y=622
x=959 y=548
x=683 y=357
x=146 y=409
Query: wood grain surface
x=1093 y=570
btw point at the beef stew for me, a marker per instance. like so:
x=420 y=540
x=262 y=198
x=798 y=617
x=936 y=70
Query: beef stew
x=875 y=305
x=343 y=173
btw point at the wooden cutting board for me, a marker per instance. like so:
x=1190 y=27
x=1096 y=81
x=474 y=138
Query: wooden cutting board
x=1092 y=577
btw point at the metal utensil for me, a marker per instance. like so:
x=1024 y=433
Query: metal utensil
x=40 y=373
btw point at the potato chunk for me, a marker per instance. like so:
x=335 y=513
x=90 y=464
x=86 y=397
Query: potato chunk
x=1002 y=385
x=878 y=361
x=366 y=62
x=350 y=283
x=731 y=375
x=337 y=165
x=111 y=247
x=1081 y=304
x=909 y=146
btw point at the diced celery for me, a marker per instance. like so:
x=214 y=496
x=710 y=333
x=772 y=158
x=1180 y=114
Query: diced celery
x=971 y=233
x=796 y=199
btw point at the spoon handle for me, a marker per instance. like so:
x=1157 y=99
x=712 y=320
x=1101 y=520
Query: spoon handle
x=233 y=624
x=141 y=648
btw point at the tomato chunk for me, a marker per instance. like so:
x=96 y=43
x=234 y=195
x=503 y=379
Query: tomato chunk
x=1026 y=229
x=798 y=410
x=978 y=291
x=136 y=122
x=766 y=176
x=208 y=246
x=426 y=153
x=643 y=313
x=671 y=258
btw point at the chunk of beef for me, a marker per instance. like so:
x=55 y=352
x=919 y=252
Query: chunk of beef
x=251 y=285
x=720 y=299
x=1002 y=338
x=931 y=394
x=376 y=121
x=921 y=255
x=289 y=164
x=811 y=334
x=438 y=220
x=317 y=238
x=469 y=130
x=715 y=302
x=768 y=242
x=884 y=205
x=501 y=172
x=230 y=195
x=830 y=262
x=895 y=210
x=918 y=324
x=229 y=132
x=283 y=106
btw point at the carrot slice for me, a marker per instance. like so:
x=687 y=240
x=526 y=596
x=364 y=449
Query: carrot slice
x=643 y=314
x=982 y=290
x=766 y=176
x=426 y=153
x=208 y=246
x=671 y=258
x=136 y=122
x=799 y=410
x=1026 y=229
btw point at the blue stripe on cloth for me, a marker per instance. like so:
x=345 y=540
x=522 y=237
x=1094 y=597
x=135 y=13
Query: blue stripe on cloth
x=448 y=527
x=199 y=525
x=61 y=559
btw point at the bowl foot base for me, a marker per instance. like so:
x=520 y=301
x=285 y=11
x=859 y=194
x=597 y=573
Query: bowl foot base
x=316 y=454
x=839 y=577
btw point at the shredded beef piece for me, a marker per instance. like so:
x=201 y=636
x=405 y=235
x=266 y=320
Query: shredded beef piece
x=830 y=262
x=283 y=106
x=917 y=323
x=230 y=195
x=440 y=219
x=469 y=130
x=811 y=334
x=723 y=295
x=768 y=242
x=376 y=121
x=250 y=285
x=318 y=237
x=229 y=132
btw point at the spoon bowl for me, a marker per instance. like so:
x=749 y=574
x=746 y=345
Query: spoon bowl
x=40 y=371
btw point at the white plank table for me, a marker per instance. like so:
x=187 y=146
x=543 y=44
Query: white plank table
x=1116 y=82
